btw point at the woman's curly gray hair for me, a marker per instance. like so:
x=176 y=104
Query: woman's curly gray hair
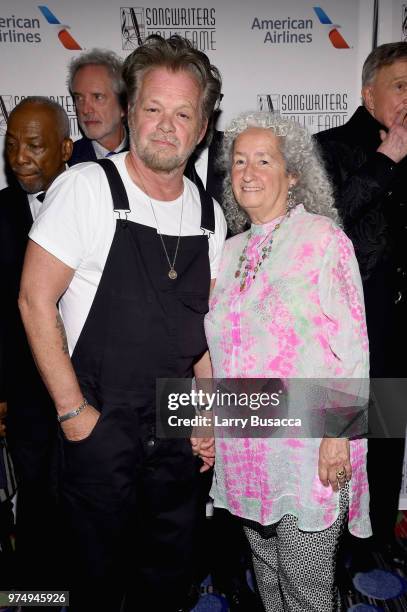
x=312 y=189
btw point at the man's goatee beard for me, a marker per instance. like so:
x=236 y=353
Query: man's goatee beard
x=163 y=164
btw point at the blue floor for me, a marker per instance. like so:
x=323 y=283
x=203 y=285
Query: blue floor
x=383 y=589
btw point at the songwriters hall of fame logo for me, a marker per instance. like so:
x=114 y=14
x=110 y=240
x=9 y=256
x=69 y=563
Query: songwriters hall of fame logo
x=196 y=24
x=316 y=111
x=268 y=102
x=132 y=27
x=9 y=101
x=6 y=106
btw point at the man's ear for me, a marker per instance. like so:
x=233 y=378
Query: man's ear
x=203 y=131
x=368 y=98
x=67 y=148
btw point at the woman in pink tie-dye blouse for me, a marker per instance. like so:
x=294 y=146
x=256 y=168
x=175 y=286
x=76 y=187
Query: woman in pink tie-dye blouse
x=288 y=303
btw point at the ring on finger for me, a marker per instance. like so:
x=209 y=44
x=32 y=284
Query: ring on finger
x=341 y=474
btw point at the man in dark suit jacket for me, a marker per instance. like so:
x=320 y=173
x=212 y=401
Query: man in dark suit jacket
x=37 y=149
x=203 y=166
x=367 y=161
x=99 y=92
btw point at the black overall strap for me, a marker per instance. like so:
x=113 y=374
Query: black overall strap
x=121 y=201
x=119 y=194
x=207 y=208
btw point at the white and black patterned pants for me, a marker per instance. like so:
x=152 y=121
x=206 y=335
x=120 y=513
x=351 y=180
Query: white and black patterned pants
x=295 y=570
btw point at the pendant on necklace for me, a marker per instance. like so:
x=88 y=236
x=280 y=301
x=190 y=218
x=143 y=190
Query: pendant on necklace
x=172 y=274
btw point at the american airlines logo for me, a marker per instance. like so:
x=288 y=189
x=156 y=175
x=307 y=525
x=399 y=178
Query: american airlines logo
x=65 y=38
x=336 y=38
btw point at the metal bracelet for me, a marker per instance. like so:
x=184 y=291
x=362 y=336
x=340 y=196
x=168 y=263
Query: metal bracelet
x=72 y=413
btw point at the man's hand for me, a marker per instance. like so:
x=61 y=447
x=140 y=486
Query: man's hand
x=394 y=142
x=81 y=426
x=334 y=458
x=3 y=413
x=205 y=449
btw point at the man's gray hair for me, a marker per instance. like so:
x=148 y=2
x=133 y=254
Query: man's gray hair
x=175 y=53
x=312 y=189
x=384 y=55
x=60 y=113
x=101 y=57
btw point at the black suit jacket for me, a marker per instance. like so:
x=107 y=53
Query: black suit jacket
x=15 y=223
x=371 y=195
x=21 y=385
x=214 y=177
x=83 y=151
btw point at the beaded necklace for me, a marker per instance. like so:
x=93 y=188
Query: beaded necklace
x=265 y=253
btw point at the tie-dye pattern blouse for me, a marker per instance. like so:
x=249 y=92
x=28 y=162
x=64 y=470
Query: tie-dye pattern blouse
x=301 y=317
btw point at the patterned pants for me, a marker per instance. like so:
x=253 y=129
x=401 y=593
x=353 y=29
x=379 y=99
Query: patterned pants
x=295 y=570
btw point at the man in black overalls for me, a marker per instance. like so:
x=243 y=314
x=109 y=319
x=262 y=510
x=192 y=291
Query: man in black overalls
x=129 y=501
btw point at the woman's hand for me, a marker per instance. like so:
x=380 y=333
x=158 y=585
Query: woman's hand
x=334 y=466
x=205 y=449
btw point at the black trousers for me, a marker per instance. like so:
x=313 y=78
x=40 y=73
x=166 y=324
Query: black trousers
x=384 y=469
x=223 y=550
x=32 y=441
x=7 y=560
x=130 y=507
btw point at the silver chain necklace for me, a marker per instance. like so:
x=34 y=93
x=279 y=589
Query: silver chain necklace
x=172 y=273
x=244 y=263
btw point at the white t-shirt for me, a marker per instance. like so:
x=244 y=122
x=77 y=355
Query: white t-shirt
x=77 y=224
x=34 y=204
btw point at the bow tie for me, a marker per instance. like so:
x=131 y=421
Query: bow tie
x=110 y=153
x=41 y=196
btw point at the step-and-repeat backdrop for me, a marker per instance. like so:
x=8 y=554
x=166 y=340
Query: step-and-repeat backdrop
x=300 y=57
x=291 y=55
